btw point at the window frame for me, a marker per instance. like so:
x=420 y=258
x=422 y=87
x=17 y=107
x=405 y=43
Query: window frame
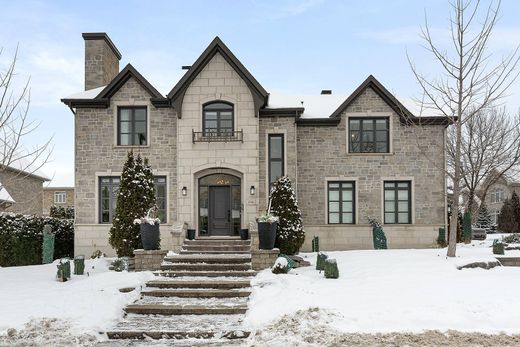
x=132 y=125
x=340 y=201
x=219 y=131
x=111 y=197
x=271 y=159
x=374 y=131
x=155 y=184
x=396 y=190
x=498 y=196
x=60 y=193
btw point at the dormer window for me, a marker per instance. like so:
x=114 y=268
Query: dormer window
x=217 y=119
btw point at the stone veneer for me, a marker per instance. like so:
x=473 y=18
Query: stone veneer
x=26 y=190
x=149 y=260
x=263 y=259
x=101 y=63
x=416 y=154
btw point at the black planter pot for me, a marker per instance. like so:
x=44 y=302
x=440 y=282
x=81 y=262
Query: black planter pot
x=266 y=235
x=244 y=234
x=150 y=236
x=191 y=234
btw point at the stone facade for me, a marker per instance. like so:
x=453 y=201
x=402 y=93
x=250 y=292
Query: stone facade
x=101 y=63
x=48 y=198
x=314 y=154
x=25 y=189
x=148 y=260
x=498 y=193
x=263 y=259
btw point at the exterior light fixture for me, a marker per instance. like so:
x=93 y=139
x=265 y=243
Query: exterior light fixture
x=184 y=191
x=252 y=190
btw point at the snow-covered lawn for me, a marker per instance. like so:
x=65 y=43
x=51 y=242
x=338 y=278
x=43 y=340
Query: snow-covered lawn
x=396 y=290
x=89 y=303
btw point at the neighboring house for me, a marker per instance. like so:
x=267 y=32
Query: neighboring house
x=57 y=196
x=498 y=193
x=21 y=190
x=218 y=140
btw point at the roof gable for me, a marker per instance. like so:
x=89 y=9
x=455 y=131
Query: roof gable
x=176 y=95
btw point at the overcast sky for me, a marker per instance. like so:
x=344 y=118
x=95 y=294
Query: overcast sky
x=293 y=47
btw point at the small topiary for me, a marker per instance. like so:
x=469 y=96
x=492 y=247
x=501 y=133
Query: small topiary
x=331 y=268
x=119 y=265
x=281 y=266
x=498 y=247
x=320 y=261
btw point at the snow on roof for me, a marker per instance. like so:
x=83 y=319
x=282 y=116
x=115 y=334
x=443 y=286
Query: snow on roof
x=323 y=105
x=4 y=195
x=87 y=94
x=25 y=166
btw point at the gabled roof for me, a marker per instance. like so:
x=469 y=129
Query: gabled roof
x=405 y=116
x=102 y=99
x=176 y=95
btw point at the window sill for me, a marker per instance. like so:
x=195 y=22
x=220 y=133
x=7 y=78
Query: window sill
x=369 y=154
x=130 y=146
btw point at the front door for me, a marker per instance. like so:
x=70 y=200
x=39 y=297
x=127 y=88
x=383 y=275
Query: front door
x=220 y=211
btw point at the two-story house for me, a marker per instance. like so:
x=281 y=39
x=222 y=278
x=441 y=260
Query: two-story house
x=219 y=139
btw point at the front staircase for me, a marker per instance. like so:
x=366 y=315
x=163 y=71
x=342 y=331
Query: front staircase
x=200 y=293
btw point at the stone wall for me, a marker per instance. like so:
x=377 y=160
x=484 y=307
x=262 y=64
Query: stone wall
x=148 y=260
x=26 y=191
x=276 y=125
x=416 y=154
x=263 y=259
x=101 y=64
x=48 y=198
x=96 y=154
x=217 y=81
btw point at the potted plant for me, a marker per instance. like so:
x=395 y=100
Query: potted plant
x=149 y=228
x=267 y=224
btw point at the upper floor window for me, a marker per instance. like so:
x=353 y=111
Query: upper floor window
x=369 y=135
x=276 y=157
x=217 y=119
x=59 y=197
x=131 y=126
x=398 y=202
x=498 y=196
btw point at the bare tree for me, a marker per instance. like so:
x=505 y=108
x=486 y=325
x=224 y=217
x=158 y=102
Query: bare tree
x=16 y=126
x=490 y=149
x=470 y=79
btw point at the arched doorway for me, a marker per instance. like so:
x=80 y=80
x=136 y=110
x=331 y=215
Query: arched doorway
x=219 y=205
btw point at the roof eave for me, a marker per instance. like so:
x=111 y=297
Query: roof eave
x=318 y=121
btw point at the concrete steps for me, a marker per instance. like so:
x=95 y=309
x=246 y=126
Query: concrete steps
x=198 y=296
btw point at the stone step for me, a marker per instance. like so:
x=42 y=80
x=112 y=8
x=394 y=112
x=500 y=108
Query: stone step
x=218 y=242
x=197 y=293
x=197 y=301
x=170 y=310
x=199 y=247
x=172 y=273
x=509 y=261
x=179 y=335
x=174 y=283
x=205 y=267
x=185 y=251
x=209 y=258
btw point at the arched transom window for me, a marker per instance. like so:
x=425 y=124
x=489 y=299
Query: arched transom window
x=217 y=119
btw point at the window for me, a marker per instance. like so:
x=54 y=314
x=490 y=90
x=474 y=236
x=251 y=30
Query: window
x=341 y=202
x=494 y=216
x=369 y=135
x=131 y=124
x=160 y=197
x=275 y=157
x=498 y=196
x=217 y=119
x=108 y=188
x=59 y=197
x=398 y=202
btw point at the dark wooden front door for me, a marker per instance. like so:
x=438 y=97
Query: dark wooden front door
x=220 y=211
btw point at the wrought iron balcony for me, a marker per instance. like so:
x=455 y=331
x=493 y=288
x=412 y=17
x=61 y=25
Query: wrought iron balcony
x=210 y=136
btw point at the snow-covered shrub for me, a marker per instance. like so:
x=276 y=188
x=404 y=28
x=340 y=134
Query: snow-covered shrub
x=281 y=266
x=267 y=218
x=498 y=247
x=119 y=265
x=134 y=198
x=320 y=261
x=62 y=212
x=97 y=254
x=21 y=238
x=331 y=268
x=513 y=238
x=290 y=235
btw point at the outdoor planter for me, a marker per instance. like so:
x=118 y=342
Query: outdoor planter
x=244 y=234
x=150 y=236
x=266 y=234
x=191 y=234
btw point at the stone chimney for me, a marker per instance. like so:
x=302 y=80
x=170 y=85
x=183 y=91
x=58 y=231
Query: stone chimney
x=101 y=60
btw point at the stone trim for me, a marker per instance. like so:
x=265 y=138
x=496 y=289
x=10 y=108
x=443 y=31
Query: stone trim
x=149 y=260
x=263 y=258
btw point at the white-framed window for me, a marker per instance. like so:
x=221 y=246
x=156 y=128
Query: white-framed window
x=498 y=196
x=60 y=197
x=494 y=216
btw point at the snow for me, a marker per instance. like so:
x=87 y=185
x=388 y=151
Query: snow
x=90 y=303
x=395 y=291
x=280 y=262
x=4 y=194
x=87 y=94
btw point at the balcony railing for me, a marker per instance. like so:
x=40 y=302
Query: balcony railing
x=227 y=136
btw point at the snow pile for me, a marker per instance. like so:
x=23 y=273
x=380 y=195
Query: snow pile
x=396 y=290
x=91 y=303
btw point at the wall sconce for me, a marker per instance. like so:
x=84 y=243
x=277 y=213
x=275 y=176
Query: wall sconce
x=252 y=190
x=184 y=191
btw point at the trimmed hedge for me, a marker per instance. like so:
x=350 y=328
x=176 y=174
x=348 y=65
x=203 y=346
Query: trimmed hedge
x=21 y=238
